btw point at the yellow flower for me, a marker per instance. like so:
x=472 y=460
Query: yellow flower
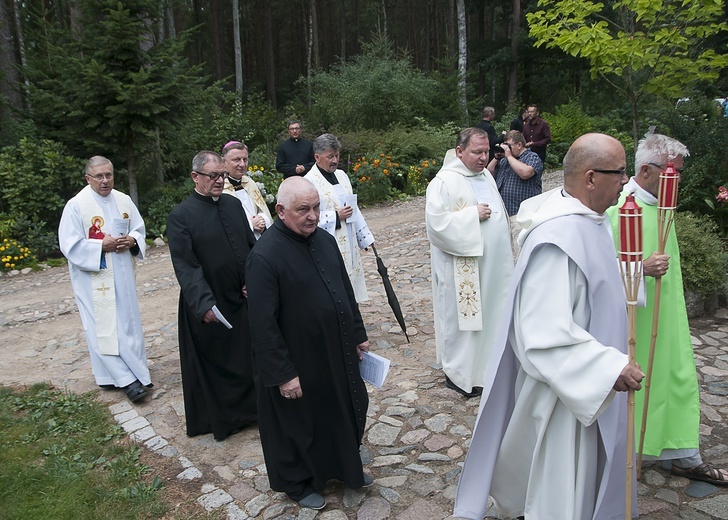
x=12 y=265
x=385 y=171
x=262 y=168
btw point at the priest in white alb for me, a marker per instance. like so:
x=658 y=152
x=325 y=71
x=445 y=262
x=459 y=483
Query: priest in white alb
x=340 y=215
x=470 y=255
x=550 y=437
x=101 y=232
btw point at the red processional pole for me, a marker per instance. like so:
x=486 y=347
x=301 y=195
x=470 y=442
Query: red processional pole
x=630 y=265
x=666 y=204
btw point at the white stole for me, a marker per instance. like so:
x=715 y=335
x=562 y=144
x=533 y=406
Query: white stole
x=102 y=281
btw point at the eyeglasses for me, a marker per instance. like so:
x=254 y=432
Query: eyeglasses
x=100 y=176
x=621 y=171
x=679 y=170
x=214 y=175
x=294 y=128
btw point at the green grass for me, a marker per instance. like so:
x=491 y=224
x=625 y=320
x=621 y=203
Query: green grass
x=62 y=456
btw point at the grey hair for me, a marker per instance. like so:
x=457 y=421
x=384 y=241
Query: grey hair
x=488 y=111
x=326 y=142
x=658 y=148
x=290 y=188
x=202 y=157
x=97 y=160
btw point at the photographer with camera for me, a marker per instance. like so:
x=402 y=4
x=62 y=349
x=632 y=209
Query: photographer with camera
x=517 y=171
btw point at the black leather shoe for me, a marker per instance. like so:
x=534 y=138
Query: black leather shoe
x=475 y=393
x=135 y=391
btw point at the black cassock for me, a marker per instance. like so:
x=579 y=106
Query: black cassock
x=305 y=322
x=209 y=242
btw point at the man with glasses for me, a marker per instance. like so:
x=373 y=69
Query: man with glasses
x=672 y=431
x=295 y=154
x=209 y=248
x=101 y=232
x=517 y=172
x=550 y=437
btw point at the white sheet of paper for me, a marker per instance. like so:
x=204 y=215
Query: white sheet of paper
x=220 y=317
x=351 y=200
x=484 y=195
x=374 y=368
x=119 y=227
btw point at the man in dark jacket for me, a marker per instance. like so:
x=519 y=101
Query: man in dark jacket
x=295 y=154
x=307 y=342
x=487 y=125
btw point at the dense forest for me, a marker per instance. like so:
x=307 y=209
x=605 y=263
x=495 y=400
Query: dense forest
x=149 y=83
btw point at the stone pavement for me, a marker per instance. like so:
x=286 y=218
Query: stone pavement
x=417 y=432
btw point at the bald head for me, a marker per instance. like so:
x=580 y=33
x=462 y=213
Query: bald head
x=586 y=170
x=298 y=205
x=292 y=187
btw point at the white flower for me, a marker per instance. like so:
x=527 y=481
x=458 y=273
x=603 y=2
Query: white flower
x=270 y=199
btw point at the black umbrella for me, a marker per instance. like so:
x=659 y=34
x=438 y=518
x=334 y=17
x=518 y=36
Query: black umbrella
x=391 y=296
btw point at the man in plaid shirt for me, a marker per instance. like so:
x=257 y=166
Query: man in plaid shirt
x=517 y=171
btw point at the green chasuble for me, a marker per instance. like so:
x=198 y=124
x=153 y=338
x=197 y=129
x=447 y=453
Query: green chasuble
x=673 y=417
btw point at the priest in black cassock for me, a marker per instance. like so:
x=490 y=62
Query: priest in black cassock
x=308 y=336
x=209 y=240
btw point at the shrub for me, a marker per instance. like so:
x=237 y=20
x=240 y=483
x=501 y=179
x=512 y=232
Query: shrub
x=370 y=178
x=157 y=204
x=36 y=180
x=14 y=256
x=268 y=182
x=702 y=255
x=373 y=90
x=420 y=175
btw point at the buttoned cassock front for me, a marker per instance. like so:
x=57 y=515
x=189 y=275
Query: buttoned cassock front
x=305 y=323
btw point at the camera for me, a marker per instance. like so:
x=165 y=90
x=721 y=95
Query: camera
x=499 y=147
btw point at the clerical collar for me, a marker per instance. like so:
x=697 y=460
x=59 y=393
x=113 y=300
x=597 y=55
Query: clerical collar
x=237 y=184
x=206 y=196
x=330 y=177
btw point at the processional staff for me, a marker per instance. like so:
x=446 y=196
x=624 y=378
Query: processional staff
x=630 y=266
x=666 y=204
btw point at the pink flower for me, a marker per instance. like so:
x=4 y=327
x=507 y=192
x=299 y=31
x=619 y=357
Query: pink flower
x=722 y=194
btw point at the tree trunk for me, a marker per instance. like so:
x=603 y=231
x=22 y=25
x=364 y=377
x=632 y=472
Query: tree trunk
x=515 y=63
x=451 y=30
x=427 y=35
x=342 y=28
x=21 y=53
x=462 y=59
x=309 y=49
x=169 y=19
x=384 y=18
x=270 y=66
x=217 y=38
x=133 y=187
x=75 y=20
x=238 y=50
x=10 y=86
x=315 y=36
